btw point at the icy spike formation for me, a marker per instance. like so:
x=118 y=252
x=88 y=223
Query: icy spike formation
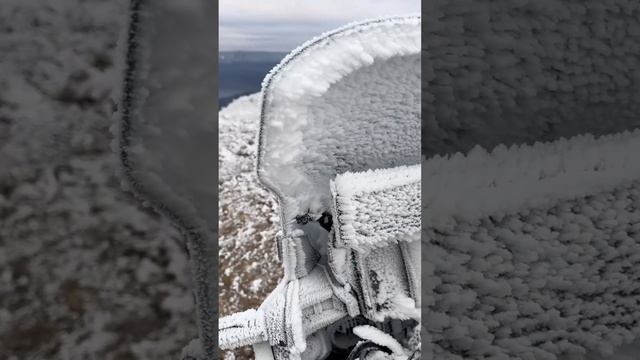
x=469 y=186
x=348 y=100
x=551 y=267
x=378 y=207
x=376 y=230
x=241 y=329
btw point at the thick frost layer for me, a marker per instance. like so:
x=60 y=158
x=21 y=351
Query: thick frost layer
x=512 y=72
x=541 y=283
x=384 y=279
x=377 y=218
x=378 y=207
x=509 y=179
x=347 y=101
x=516 y=72
x=547 y=266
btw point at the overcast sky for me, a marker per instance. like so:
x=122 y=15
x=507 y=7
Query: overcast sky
x=281 y=25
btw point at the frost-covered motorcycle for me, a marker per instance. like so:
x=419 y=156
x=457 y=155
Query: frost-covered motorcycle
x=339 y=146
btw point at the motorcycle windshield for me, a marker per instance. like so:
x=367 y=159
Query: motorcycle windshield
x=346 y=101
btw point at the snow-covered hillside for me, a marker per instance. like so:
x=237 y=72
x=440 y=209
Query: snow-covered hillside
x=85 y=272
x=248 y=265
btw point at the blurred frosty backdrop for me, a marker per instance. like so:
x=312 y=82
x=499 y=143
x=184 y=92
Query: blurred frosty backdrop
x=84 y=271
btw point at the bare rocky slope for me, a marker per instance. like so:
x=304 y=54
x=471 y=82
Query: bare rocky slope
x=248 y=265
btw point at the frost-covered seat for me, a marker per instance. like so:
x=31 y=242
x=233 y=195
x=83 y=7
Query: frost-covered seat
x=336 y=109
x=531 y=181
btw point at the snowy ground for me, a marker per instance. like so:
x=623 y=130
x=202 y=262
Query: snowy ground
x=248 y=263
x=85 y=273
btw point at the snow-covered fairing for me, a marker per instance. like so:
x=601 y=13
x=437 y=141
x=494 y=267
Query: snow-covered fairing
x=532 y=247
x=339 y=145
x=166 y=134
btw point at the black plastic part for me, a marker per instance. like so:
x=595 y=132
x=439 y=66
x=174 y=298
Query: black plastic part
x=326 y=221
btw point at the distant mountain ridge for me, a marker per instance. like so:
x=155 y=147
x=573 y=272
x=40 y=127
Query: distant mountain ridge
x=226 y=57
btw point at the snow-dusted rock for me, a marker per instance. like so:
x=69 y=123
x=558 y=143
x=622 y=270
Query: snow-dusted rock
x=345 y=101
